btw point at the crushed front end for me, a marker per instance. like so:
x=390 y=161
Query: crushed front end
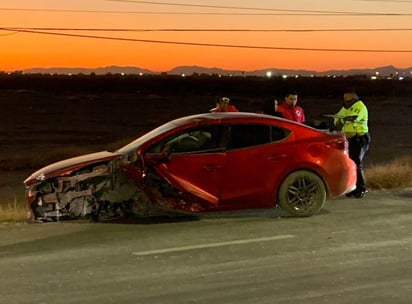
x=106 y=189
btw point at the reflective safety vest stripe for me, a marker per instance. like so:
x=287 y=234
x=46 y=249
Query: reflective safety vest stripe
x=358 y=126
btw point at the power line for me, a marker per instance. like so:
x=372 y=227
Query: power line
x=8 y=34
x=210 y=44
x=203 y=30
x=398 y=1
x=285 y=13
x=242 y=8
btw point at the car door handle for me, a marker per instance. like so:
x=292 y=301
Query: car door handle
x=211 y=167
x=277 y=156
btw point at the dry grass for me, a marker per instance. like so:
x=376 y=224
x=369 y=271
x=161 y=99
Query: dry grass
x=13 y=211
x=393 y=175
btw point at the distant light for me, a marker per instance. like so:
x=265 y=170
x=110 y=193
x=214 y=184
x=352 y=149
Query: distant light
x=122 y=74
x=269 y=74
x=141 y=74
x=400 y=78
x=376 y=73
x=284 y=76
x=70 y=74
x=220 y=76
x=183 y=75
x=296 y=76
x=374 y=77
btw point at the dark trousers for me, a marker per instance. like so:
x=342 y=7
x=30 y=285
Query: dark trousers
x=358 y=146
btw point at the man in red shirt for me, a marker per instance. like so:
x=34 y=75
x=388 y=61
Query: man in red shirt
x=289 y=109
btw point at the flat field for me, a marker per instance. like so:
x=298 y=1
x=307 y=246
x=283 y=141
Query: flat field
x=37 y=121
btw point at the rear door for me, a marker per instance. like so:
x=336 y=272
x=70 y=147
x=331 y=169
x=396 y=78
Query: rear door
x=257 y=155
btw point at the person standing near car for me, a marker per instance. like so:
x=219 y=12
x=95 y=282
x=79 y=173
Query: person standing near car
x=222 y=105
x=352 y=119
x=289 y=108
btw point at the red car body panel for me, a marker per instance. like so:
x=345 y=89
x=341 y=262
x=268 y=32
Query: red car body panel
x=262 y=169
x=223 y=177
x=200 y=172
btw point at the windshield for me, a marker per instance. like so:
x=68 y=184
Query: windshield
x=134 y=145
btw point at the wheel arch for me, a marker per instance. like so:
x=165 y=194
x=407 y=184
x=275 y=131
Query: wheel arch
x=310 y=168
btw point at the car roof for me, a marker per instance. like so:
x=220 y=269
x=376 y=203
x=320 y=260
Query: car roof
x=220 y=116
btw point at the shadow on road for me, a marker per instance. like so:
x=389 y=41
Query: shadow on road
x=179 y=218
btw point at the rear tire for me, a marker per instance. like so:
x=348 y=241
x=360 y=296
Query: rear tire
x=302 y=193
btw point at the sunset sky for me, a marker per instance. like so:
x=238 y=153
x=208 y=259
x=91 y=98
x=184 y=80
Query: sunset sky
x=231 y=34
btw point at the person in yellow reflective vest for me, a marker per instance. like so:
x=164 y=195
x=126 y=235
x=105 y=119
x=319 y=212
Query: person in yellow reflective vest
x=352 y=119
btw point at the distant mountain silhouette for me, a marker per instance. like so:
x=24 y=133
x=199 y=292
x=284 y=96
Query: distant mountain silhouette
x=97 y=71
x=385 y=71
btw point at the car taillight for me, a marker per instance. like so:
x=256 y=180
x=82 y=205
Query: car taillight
x=340 y=143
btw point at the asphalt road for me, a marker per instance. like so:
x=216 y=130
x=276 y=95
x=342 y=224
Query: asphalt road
x=354 y=251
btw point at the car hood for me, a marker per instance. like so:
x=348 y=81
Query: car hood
x=67 y=166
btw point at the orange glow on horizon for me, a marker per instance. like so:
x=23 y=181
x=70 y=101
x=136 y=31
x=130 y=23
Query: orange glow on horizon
x=26 y=50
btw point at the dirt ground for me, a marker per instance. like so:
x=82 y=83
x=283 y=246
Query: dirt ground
x=36 y=121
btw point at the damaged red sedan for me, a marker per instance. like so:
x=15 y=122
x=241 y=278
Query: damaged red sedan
x=199 y=163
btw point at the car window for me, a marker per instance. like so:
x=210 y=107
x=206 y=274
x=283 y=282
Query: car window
x=197 y=140
x=279 y=133
x=247 y=135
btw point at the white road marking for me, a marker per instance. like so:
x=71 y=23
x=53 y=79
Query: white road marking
x=211 y=245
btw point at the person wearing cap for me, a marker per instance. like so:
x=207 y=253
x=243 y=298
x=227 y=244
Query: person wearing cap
x=288 y=109
x=352 y=119
x=222 y=105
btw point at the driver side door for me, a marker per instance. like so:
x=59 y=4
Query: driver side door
x=195 y=164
